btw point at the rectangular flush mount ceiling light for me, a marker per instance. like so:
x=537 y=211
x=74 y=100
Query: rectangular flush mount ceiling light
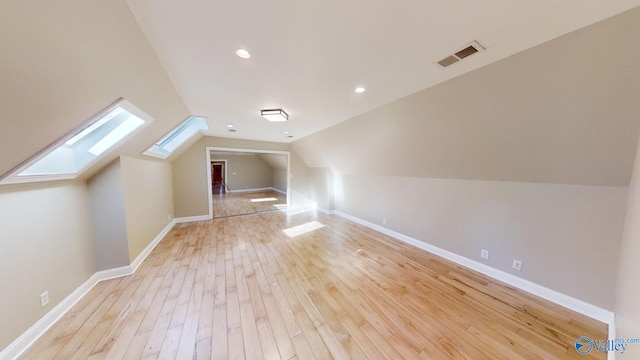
x=274 y=115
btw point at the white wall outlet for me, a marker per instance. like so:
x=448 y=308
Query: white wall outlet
x=384 y=221
x=44 y=299
x=484 y=254
x=169 y=217
x=517 y=264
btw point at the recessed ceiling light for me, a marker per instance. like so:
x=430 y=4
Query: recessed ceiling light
x=360 y=90
x=243 y=53
x=229 y=125
x=232 y=130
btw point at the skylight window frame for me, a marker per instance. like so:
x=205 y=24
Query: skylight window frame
x=70 y=139
x=159 y=150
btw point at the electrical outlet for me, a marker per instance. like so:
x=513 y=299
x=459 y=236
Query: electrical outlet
x=384 y=221
x=169 y=217
x=517 y=264
x=44 y=299
x=484 y=254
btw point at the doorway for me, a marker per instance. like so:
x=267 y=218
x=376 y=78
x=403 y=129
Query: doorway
x=218 y=177
x=244 y=181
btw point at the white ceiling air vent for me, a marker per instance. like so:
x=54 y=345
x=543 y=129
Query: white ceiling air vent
x=469 y=50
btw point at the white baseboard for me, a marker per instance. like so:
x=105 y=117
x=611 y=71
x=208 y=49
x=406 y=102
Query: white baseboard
x=592 y=311
x=192 y=219
x=250 y=190
x=278 y=190
x=326 y=212
x=147 y=250
x=21 y=344
x=113 y=273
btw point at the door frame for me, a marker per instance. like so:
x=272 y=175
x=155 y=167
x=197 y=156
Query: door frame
x=224 y=172
x=208 y=150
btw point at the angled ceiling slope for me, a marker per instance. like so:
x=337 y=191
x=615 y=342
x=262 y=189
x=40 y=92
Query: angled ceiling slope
x=563 y=112
x=308 y=57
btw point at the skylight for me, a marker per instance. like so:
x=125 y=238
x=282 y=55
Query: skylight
x=176 y=137
x=72 y=154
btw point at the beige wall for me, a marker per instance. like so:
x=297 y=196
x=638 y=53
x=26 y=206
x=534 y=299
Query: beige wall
x=566 y=235
x=299 y=181
x=561 y=112
x=64 y=61
x=529 y=157
x=280 y=179
x=46 y=245
x=190 y=174
x=108 y=220
x=131 y=203
x=278 y=164
x=246 y=171
x=627 y=292
x=148 y=200
x=321 y=188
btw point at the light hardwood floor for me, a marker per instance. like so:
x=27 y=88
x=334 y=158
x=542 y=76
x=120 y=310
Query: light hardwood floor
x=239 y=203
x=239 y=287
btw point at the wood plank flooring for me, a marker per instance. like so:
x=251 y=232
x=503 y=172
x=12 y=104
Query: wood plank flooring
x=239 y=203
x=240 y=288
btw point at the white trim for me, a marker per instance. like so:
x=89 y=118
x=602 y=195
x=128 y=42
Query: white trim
x=250 y=190
x=114 y=273
x=567 y=301
x=611 y=355
x=325 y=211
x=12 y=176
x=278 y=190
x=211 y=161
x=208 y=182
x=147 y=250
x=22 y=343
x=208 y=150
x=192 y=218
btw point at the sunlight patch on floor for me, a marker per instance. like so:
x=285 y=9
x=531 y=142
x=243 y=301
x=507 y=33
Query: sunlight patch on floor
x=263 y=199
x=303 y=229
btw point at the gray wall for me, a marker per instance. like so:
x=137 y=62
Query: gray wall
x=245 y=172
x=109 y=223
x=46 y=245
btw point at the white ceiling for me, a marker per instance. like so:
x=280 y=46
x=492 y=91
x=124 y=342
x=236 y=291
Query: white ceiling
x=308 y=56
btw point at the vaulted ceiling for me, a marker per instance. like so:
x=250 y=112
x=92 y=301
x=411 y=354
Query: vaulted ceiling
x=309 y=56
x=63 y=62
